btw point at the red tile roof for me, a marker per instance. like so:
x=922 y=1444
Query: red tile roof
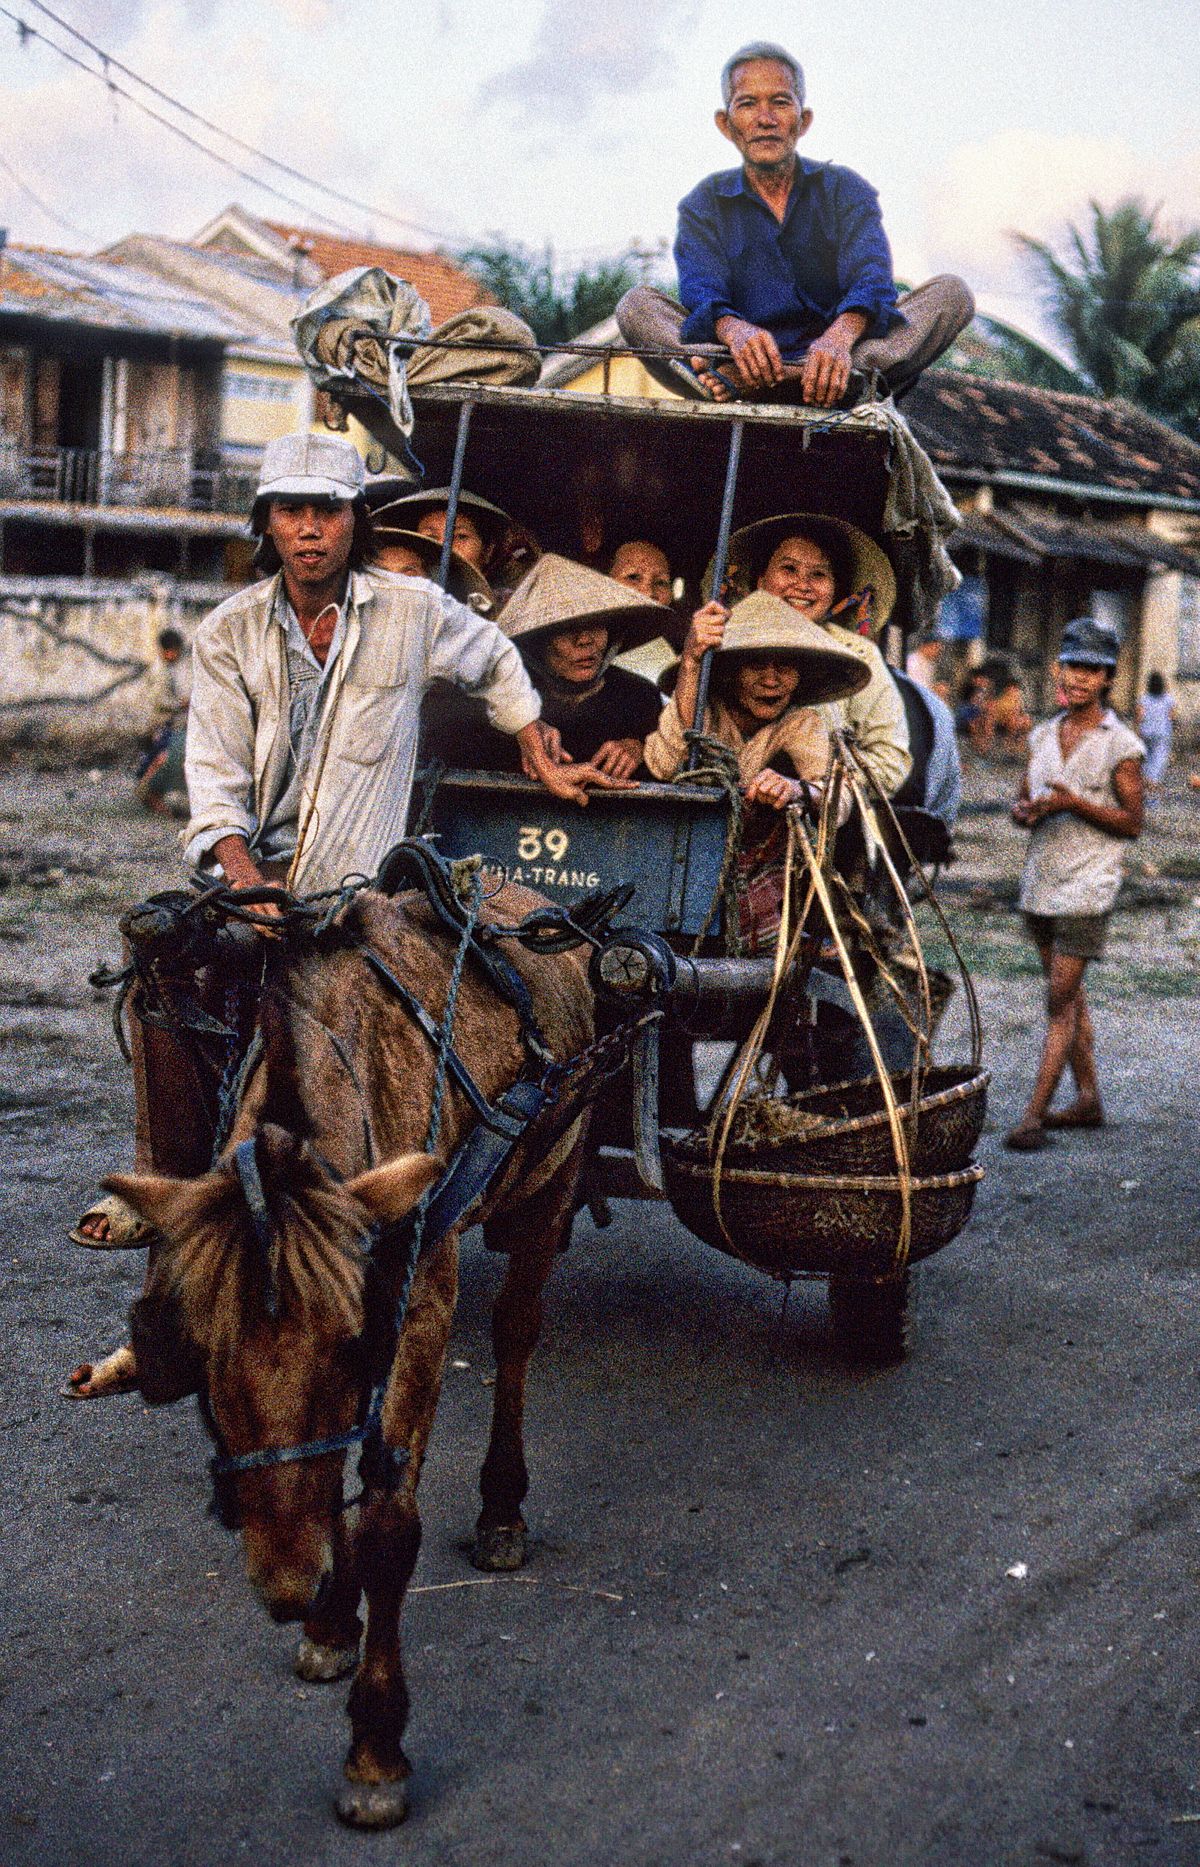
x=976 y=424
x=445 y=286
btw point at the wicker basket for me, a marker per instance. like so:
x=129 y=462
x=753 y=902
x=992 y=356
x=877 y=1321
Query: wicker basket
x=844 y=1128
x=790 y=1224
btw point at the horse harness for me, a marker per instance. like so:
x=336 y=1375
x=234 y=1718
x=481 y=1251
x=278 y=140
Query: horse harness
x=501 y=1125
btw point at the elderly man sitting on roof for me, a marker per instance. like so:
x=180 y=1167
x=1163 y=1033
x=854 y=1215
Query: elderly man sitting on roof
x=784 y=268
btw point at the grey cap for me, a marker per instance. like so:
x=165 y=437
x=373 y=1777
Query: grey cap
x=1090 y=643
x=316 y=466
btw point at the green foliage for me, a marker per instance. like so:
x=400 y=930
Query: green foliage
x=556 y=305
x=1126 y=299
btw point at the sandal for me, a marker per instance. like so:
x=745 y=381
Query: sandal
x=127 y=1230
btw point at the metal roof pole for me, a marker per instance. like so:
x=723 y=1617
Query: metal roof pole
x=720 y=563
x=456 y=477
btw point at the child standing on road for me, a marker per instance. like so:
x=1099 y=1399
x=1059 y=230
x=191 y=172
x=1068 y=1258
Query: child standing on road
x=1156 y=724
x=1082 y=798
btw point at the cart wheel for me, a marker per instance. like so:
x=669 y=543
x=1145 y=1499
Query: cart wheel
x=872 y=1322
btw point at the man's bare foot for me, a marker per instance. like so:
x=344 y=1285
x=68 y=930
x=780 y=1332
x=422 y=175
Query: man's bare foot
x=1080 y=1115
x=116 y=1374
x=713 y=385
x=1028 y=1137
x=111 y=1224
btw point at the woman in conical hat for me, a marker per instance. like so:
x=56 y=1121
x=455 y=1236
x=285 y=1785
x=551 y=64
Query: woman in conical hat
x=413 y=554
x=772 y=670
x=833 y=574
x=484 y=534
x=569 y=622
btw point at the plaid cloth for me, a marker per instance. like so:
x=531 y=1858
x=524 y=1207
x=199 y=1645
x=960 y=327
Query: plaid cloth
x=761 y=878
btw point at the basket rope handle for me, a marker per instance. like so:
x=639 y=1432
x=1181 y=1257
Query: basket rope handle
x=973 y=1012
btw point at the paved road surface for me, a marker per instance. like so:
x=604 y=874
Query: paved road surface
x=768 y=1617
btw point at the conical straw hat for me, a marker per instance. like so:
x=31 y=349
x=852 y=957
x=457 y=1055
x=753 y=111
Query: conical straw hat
x=558 y=594
x=760 y=622
x=411 y=507
x=465 y=582
x=751 y=549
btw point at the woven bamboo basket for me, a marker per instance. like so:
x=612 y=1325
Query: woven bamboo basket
x=792 y=1224
x=843 y=1128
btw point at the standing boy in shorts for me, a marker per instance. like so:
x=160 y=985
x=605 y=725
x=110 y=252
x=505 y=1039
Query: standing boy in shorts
x=1082 y=798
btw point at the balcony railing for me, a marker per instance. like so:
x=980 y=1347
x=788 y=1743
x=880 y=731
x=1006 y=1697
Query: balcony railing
x=163 y=477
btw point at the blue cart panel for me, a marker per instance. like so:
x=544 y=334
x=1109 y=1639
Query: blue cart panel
x=667 y=839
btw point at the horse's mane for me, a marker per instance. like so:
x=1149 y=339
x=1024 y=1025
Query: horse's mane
x=220 y=1274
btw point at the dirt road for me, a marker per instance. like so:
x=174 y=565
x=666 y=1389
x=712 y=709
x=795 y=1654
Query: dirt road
x=777 y=1612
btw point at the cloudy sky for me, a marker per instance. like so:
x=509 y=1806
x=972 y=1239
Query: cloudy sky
x=583 y=121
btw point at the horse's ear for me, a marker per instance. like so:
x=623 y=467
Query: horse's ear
x=153 y=1196
x=391 y=1191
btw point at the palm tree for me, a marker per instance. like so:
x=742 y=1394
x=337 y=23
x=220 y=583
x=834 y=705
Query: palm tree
x=557 y=306
x=1127 y=302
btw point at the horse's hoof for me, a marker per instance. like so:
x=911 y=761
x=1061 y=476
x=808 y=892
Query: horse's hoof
x=372 y=1805
x=500 y=1548
x=321 y=1665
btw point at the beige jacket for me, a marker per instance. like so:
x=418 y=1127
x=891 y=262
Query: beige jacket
x=874 y=715
x=799 y=733
x=401 y=634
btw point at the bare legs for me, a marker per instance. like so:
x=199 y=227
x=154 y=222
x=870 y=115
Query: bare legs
x=1070 y=1042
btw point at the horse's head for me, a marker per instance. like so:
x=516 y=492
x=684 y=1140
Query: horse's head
x=260 y=1300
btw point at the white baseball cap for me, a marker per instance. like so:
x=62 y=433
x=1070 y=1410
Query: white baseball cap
x=319 y=466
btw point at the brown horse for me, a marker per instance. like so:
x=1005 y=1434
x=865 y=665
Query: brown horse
x=283 y=1331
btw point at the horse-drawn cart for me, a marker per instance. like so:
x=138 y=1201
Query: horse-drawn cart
x=836 y=1203
x=406 y=1054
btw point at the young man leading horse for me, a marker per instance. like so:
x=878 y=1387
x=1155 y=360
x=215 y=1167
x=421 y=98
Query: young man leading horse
x=301 y=748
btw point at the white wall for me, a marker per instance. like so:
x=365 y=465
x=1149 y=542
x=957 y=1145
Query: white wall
x=75 y=656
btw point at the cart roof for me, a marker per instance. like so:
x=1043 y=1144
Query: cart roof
x=567 y=464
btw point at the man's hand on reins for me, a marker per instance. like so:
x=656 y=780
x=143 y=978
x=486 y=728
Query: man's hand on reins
x=241 y=871
x=561 y=776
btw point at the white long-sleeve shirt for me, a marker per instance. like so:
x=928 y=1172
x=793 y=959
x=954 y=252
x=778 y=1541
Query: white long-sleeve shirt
x=398 y=634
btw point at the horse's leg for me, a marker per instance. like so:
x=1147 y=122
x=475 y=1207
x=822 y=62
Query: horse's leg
x=388 y=1541
x=531 y=1233
x=328 y=1647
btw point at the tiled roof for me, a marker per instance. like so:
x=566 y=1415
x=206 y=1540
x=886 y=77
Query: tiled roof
x=72 y=289
x=976 y=425
x=445 y=287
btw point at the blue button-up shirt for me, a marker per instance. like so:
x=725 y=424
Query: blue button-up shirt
x=829 y=255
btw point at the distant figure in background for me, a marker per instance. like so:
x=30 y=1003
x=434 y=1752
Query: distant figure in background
x=921 y=665
x=1156 y=724
x=160 y=785
x=992 y=715
x=1082 y=800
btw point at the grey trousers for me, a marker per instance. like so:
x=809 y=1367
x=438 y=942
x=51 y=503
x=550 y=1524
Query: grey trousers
x=933 y=315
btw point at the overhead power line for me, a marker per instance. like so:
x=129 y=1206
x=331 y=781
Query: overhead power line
x=68 y=226
x=103 y=76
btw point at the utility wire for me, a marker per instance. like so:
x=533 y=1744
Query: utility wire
x=185 y=110
x=68 y=226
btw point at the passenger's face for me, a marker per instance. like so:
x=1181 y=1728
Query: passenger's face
x=577 y=655
x=764 y=686
x=401 y=558
x=644 y=568
x=468 y=539
x=802 y=575
x=765 y=119
x=313 y=538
